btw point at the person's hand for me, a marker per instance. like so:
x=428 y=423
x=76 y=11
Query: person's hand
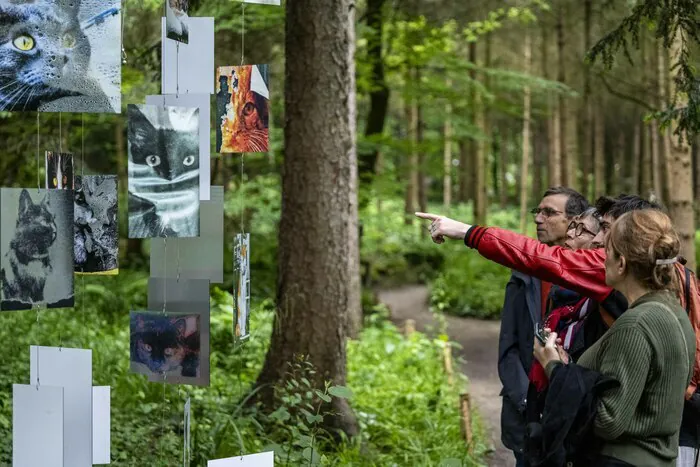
x=441 y=227
x=548 y=352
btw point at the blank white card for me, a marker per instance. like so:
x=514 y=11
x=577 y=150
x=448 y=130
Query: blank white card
x=72 y=370
x=263 y=459
x=37 y=426
x=189 y=68
x=101 y=422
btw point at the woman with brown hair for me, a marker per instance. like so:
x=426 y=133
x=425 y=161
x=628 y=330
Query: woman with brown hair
x=650 y=349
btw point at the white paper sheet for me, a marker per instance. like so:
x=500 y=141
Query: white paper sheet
x=189 y=67
x=101 y=422
x=72 y=370
x=186 y=453
x=263 y=459
x=37 y=426
x=202 y=102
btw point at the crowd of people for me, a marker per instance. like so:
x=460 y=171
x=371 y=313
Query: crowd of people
x=600 y=332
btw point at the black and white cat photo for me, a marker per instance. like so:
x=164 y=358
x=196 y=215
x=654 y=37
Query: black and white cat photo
x=60 y=55
x=163 y=171
x=176 y=20
x=96 y=224
x=36 y=237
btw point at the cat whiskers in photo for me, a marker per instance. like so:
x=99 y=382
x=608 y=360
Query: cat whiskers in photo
x=28 y=255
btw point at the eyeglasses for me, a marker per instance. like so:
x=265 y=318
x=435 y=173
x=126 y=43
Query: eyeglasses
x=546 y=212
x=579 y=229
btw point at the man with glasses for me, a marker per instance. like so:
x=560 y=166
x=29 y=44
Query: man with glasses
x=523 y=308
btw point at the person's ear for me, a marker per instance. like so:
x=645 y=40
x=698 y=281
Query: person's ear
x=622 y=266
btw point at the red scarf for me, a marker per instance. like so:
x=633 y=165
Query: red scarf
x=569 y=319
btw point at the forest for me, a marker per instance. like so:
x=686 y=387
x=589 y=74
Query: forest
x=470 y=109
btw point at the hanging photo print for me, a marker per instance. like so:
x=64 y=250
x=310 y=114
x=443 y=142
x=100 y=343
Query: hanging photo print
x=176 y=20
x=241 y=266
x=242 y=109
x=96 y=233
x=59 y=171
x=36 y=246
x=163 y=171
x=61 y=56
x=165 y=345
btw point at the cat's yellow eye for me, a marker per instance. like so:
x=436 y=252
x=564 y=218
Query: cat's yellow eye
x=68 y=41
x=24 y=43
x=153 y=161
x=189 y=160
x=55 y=181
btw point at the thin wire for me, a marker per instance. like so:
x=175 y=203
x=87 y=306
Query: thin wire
x=123 y=21
x=82 y=145
x=242 y=33
x=177 y=69
x=38 y=178
x=165 y=282
x=37 y=367
x=60 y=133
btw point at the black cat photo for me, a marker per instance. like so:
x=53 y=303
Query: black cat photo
x=163 y=171
x=36 y=248
x=59 y=171
x=60 y=55
x=165 y=345
x=96 y=242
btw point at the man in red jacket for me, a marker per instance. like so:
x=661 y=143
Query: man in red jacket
x=582 y=271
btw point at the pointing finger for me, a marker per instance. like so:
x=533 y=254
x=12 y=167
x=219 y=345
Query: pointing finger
x=426 y=215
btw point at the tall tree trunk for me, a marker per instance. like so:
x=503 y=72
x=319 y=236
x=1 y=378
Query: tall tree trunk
x=636 y=158
x=538 y=159
x=663 y=90
x=696 y=164
x=411 y=200
x=554 y=127
x=378 y=96
x=599 y=152
x=681 y=199
x=480 y=155
x=656 y=171
x=464 y=166
x=319 y=204
x=503 y=167
x=422 y=179
x=447 y=156
x=563 y=129
x=525 y=162
x=646 y=185
x=587 y=146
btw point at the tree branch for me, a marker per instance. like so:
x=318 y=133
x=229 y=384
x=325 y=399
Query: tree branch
x=624 y=96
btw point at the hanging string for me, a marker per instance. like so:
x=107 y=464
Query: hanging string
x=165 y=282
x=123 y=21
x=37 y=367
x=38 y=178
x=177 y=70
x=242 y=33
x=82 y=146
x=60 y=133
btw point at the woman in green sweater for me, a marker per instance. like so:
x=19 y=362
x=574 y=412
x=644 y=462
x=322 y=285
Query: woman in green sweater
x=649 y=349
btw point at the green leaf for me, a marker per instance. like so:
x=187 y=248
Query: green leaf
x=322 y=396
x=340 y=392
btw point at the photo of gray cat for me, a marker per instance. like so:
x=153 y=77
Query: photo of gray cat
x=96 y=230
x=176 y=20
x=165 y=345
x=59 y=171
x=60 y=55
x=163 y=171
x=36 y=248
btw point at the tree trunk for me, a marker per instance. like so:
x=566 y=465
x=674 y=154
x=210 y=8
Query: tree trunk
x=411 y=200
x=681 y=199
x=540 y=146
x=587 y=146
x=378 y=96
x=563 y=111
x=554 y=130
x=696 y=163
x=656 y=171
x=599 y=152
x=318 y=220
x=422 y=179
x=480 y=156
x=636 y=158
x=665 y=154
x=646 y=185
x=525 y=163
x=447 y=156
x=503 y=167
x=464 y=174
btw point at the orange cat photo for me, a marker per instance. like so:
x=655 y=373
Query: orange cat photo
x=243 y=109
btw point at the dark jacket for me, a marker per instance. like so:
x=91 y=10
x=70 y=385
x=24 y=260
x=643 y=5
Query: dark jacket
x=521 y=311
x=565 y=431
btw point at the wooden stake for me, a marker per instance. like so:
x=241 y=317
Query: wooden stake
x=447 y=359
x=466 y=413
x=409 y=327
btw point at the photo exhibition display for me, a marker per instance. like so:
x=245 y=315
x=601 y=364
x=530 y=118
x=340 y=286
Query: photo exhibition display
x=63 y=56
x=66 y=57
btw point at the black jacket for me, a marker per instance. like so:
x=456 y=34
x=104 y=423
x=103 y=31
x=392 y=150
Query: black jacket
x=564 y=433
x=521 y=311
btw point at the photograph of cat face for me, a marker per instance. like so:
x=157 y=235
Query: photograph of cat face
x=60 y=55
x=165 y=345
x=163 y=171
x=59 y=171
x=96 y=227
x=177 y=21
x=36 y=248
x=241 y=267
x=242 y=109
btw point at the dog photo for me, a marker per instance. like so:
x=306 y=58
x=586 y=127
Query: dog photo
x=36 y=248
x=177 y=21
x=242 y=109
x=96 y=226
x=59 y=171
x=165 y=345
x=241 y=267
x=60 y=56
x=163 y=171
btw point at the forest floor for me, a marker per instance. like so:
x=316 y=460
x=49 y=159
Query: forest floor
x=479 y=341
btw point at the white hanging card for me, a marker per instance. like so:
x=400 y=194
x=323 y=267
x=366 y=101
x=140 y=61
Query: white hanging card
x=101 y=422
x=263 y=459
x=189 y=68
x=37 y=426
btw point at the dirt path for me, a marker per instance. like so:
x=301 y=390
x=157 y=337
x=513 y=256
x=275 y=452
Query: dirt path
x=479 y=340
